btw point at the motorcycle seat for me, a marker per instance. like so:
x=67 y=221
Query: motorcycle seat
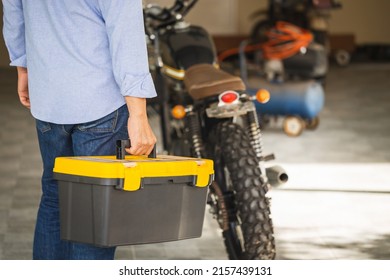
x=204 y=80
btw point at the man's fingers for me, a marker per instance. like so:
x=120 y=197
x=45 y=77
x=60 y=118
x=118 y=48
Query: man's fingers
x=141 y=136
x=25 y=101
x=136 y=151
x=150 y=150
x=141 y=149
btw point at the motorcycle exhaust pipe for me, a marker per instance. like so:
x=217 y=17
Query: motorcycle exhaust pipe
x=276 y=175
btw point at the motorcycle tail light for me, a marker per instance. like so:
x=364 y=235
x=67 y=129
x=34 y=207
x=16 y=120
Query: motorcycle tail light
x=178 y=112
x=263 y=96
x=229 y=96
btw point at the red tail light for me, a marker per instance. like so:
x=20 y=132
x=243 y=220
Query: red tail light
x=229 y=96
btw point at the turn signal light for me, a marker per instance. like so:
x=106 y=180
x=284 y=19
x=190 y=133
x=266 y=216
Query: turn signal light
x=263 y=95
x=178 y=112
x=229 y=96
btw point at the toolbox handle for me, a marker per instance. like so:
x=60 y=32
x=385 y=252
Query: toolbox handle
x=121 y=145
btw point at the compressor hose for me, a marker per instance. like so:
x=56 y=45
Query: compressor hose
x=283 y=40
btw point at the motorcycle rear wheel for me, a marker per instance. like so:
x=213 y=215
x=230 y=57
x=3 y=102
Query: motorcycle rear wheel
x=250 y=233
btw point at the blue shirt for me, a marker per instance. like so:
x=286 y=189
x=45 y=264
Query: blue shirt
x=82 y=56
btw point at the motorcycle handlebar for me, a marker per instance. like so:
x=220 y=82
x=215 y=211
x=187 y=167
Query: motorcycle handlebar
x=169 y=16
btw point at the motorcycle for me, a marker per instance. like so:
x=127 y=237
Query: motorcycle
x=206 y=113
x=288 y=53
x=309 y=14
x=310 y=61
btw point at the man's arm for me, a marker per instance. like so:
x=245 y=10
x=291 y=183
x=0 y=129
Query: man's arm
x=14 y=37
x=125 y=30
x=13 y=31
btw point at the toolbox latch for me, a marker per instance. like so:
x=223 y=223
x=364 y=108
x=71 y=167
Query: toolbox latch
x=132 y=177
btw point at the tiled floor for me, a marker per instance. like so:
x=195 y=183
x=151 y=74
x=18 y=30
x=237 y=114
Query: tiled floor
x=335 y=206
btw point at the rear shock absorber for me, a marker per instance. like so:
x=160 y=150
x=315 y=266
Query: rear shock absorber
x=195 y=134
x=255 y=134
x=257 y=141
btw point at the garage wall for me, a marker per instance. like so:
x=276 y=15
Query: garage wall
x=368 y=20
x=245 y=9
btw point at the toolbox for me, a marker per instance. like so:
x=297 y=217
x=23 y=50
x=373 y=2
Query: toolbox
x=123 y=200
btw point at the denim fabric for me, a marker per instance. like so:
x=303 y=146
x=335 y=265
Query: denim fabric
x=92 y=138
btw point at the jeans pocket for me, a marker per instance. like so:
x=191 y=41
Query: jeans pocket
x=43 y=126
x=105 y=124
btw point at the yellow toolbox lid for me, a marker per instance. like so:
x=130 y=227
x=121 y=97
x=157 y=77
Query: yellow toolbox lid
x=133 y=168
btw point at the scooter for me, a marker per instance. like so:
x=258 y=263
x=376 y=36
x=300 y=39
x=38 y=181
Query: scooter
x=207 y=113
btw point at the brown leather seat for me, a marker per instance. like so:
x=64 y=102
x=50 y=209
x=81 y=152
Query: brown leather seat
x=204 y=80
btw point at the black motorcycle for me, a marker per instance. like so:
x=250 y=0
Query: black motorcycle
x=308 y=14
x=311 y=61
x=206 y=113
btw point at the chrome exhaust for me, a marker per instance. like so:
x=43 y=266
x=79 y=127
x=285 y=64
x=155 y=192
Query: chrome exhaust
x=276 y=175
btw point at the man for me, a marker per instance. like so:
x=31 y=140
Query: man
x=83 y=72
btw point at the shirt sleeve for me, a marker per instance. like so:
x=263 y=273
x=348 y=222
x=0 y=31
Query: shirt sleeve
x=125 y=29
x=14 y=32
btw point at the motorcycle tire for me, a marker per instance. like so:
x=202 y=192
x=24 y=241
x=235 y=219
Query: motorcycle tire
x=250 y=233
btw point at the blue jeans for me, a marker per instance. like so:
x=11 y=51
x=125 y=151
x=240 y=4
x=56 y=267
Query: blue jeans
x=92 y=138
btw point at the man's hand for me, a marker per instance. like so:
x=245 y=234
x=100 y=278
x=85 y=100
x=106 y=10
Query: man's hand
x=23 y=87
x=141 y=135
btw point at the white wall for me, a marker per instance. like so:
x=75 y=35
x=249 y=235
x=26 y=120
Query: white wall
x=369 y=20
x=246 y=9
